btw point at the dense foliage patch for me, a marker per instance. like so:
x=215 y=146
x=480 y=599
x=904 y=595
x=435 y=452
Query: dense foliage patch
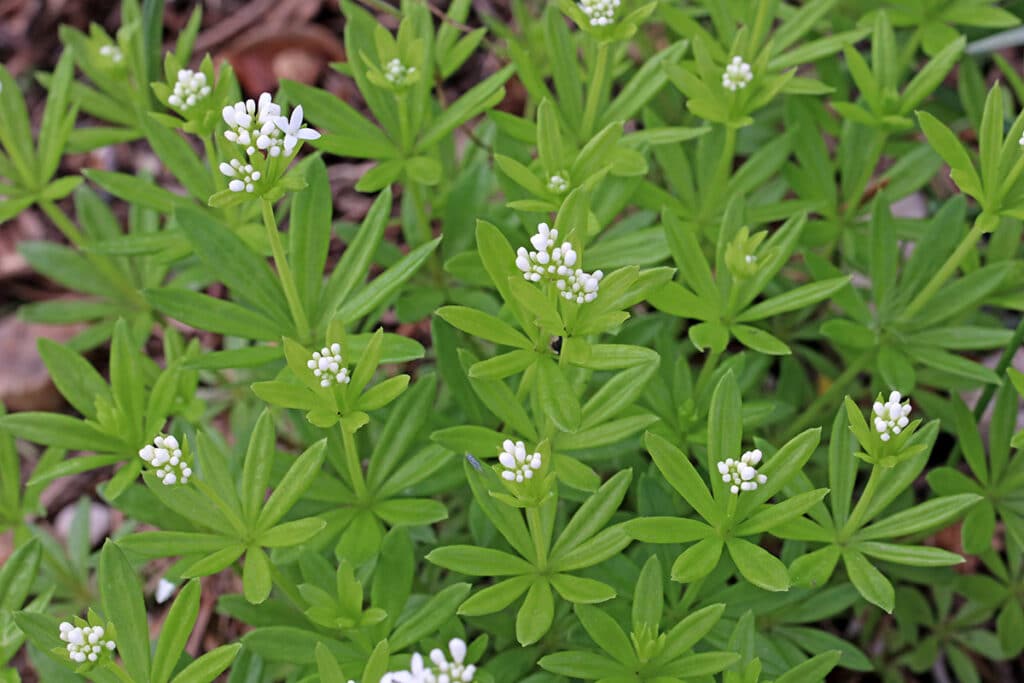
x=644 y=373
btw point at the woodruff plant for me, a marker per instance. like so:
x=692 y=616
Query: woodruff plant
x=694 y=398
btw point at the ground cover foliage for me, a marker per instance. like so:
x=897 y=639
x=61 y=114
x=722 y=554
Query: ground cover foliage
x=690 y=394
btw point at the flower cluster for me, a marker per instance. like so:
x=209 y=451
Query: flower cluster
x=558 y=183
x=85 y=643
x=557 y=264
x=164 y=454
x=737 y=75
x=742 y=474
x=600 y=12
x=259 y=128
x=441 y=668
x=398 y=74
x=517 y=463
x=327 y=365
x=892 y=416
x=112 y=52
x=251 y=125
x=243 y=176
x=190 y=87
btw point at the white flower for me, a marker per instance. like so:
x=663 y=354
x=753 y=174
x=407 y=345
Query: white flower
x=580 y=286
x=112 y=52
x=243 y=177
x=1021 y=141
x=600 y=12
x=737 y=75
x=557 y=264
x=891 y=417
x=517 y=463
x=742 y=474
x=164 y=590
x=558 y=184
x=252 y=125
x=190 y=87
x=443 y=669
x=327 y=365
x=164 y=454
x=397 y=73
x=293 y=130
x=85 y=643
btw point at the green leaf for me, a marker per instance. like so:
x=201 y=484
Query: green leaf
x=309 y=235
x=759 y=340
x=680 y=473
x=259 y=460
x=61 y=431
x=915 y=556
x=606 y=632
x=483 y=325
x=256 y=581
x=556 y=395
x=795 y=299
x=294 y=483
x=175 y=632
x=581 y=591
x=758 y=566
x=593 y=514
x=930 y=515
x=210 y=665
x=380 y=291
x=496 y=597
x=123 y=606
x=214 y=315
x=869 y=582
x=478 y=561
x=698 y=560
x=725 y=425
x=537 y=613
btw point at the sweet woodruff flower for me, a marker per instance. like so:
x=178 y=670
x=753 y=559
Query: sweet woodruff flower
x=398 y=74
x=328 y=366
x=600 y=12
x=517 y=464
x=891 y=417
x=293 y=130
x=112 y=52
x=243 y=176
x=85 y=643
x=737 y=75
x=442 y=669
x=190 y=87
x=252 y=125
x=558 y=183
x=742 y=474
x=169 y=465
x=557 y=264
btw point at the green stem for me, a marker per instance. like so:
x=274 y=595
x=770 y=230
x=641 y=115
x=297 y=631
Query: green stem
x=982 y=224
x=355 y=469
x=838 y=386
x=211 y=159
x=537 y=534
x=857 y=517
x=404 y=125
x=63 y=223
x=733 y=502
x=706 y=372
x=598 y=80
x=284 y=271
